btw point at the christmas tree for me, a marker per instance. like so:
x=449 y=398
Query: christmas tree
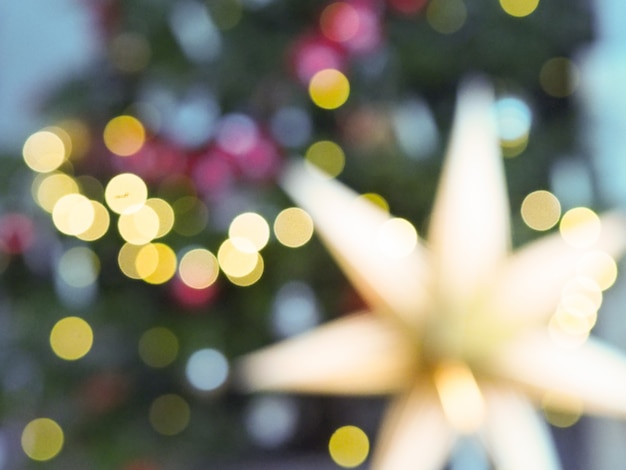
x=147 y=243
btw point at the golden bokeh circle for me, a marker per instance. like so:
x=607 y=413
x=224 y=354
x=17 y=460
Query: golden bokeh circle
x=42 y=439
x=71 y=338
x=349 y=446
x=293 y=227
x=329 y=88
x=124 y=135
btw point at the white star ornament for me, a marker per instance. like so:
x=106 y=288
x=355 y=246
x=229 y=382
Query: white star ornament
x=457 y=329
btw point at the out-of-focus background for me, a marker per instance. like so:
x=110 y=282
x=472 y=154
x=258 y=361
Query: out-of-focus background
x=119 y=355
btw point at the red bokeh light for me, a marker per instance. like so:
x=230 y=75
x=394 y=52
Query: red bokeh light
x=17 y=233
x=190 y=298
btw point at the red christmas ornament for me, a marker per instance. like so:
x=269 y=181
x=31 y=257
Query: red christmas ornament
x=16 y=233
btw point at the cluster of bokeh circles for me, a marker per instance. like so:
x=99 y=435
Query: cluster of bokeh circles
x=141 y=220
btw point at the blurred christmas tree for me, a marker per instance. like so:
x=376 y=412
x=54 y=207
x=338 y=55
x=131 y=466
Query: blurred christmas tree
x=204 y=102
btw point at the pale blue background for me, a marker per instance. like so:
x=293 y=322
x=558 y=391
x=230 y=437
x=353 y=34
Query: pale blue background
x=42 y=42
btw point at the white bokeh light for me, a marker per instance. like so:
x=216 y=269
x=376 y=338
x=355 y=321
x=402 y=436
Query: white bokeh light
x=514 y=118
x=207 y=369
x=271 y=420
x=294 y=310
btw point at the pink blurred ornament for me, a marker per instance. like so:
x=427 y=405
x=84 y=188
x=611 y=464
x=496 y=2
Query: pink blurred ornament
x=314 y=52
x=356 y=25
x=236 y=133
x=213 y=172
x=156 y=160
x=261 y=162
x=253 y=153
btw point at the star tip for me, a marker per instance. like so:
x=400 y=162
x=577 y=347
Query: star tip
x=240 y=378
x=291 y=165
x=476 y=91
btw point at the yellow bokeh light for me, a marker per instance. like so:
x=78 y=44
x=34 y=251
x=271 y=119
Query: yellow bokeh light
x=446 y=16
x=125 y=192
x=567 y=335
x=139 y=227
x=580 y=303
x=582 y=285
x=559 y=77
x=71 y=338
x=127 y=261
x=169 y=414
x=376 y=199
x=598 y=266
x=124 y=135
x=512 y=148
x=326 y=156
x=100 y=225
x=44 y=151
x=48 y=188
x=580 y=227
x=329 y=88
x=252 y=277
x=42 y=439
x=165 y=213
x=396 y=237
x=251 y=227
x=155 y=263
x=560 y=410
x=166 y=262
x=158 y=347
x=460 y=396
x=541 y=210
x=65 y=138
x=349 y=446
x=73 y=214
x=145 y=261
x=293 y=227
x=198 y=268
x=576 y=319
x=234 y=261
x=519 y=8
